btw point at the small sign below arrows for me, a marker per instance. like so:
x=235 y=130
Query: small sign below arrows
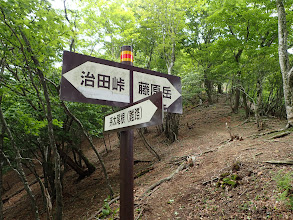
x=144 y=113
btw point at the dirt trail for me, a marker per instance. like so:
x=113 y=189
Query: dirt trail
x=190 y=195
x=196 y=192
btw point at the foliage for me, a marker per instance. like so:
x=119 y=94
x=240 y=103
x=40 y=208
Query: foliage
x=284 y=182
x=228 y=180
x=107 y=211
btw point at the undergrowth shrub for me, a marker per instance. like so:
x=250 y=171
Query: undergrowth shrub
x=284 y=183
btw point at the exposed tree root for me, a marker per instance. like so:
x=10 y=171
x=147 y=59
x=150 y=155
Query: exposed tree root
x=141 y=173
x=152 y=187
x=283 y=162
x=263 y=134
x=141 y=161
x=287 y=129
x=288 y=126
x=284 y=134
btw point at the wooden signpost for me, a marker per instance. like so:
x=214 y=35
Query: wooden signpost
x=126 y=210
x=97 y=81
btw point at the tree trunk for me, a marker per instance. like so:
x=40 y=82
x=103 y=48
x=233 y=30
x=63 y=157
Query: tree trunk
x=67 y=111
x=91 y=168
x=287 y=73
x=148 y=66
x=171 y=61
x=81 y=172
x=258 y=104
x=245 y=105
x=19 y=169
x=220 y=91
x=58 y=184
x=47 y=202
x=49 y=176
x=238 y=82
x=1 y=149
x=1 y=169
x=92 y=146
x=172 y=126
x=208 y=88
x=237 y=100
x=148 y=146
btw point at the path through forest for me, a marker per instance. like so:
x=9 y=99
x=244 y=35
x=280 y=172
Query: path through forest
x=229 y=179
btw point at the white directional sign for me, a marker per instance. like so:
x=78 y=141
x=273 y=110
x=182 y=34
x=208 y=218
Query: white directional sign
x=99 y=81
x=145 y=113
x=145 y=85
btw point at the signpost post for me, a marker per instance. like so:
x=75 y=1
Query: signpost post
x=97 y=81
x=126 y=156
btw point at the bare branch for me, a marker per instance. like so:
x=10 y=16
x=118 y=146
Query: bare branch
x=65 y=11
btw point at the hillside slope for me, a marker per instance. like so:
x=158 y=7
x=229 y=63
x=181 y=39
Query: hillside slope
x=230 y=178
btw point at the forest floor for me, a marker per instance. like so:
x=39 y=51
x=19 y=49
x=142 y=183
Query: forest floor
x=230 y=178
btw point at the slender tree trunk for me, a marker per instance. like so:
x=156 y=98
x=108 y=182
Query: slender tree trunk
x=237 y=100
x=171 y=61
x=172 y=126
x=208 y=88
x=46 y=196
x=92 y=146
x=67 y=111
x=172 y=120
x=19 y=169
x=57 y=161
x=287 y=73
x=237 y=91
x=2 y=62
x=258 y=104
x=58 y=183
x=148 y=66
x=91 y=168
x=148 y=146
x=238 y=82
x=245 y=105
x=1 y=169
x=220 y=91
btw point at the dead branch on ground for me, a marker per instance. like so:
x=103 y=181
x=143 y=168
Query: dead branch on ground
x=284 y=134
x=281 y=162
x=168 y=178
